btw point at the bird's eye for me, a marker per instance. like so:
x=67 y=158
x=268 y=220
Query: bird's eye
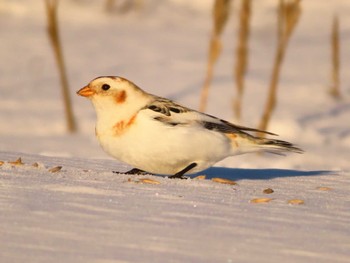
x=105 y=87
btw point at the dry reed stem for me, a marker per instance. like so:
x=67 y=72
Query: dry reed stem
x=124 y=6
x=335 y=87
x=280 y=18
x=109 y=5
x=220 y=15
x=289 y=14
x=52 y=29
x=241 y=54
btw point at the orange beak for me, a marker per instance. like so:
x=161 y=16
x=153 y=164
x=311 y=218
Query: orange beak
x=86 y=92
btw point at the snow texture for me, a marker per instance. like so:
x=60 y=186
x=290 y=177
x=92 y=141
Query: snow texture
x=84 y=212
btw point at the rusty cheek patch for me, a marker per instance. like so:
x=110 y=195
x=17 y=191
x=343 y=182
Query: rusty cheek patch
x=120 y=97
x=233 y=140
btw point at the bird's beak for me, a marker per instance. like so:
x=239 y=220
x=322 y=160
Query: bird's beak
x=86 y=92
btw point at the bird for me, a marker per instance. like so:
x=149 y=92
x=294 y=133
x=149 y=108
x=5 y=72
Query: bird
x=156 y=135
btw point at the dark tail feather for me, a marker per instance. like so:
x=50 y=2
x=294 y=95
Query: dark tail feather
x=277 y=146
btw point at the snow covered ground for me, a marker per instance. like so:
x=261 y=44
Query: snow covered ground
x=86 y=213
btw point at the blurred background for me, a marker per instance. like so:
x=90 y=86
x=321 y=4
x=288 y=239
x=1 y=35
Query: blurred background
x=163 y=46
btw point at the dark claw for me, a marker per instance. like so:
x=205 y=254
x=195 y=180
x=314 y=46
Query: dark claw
x=176 y=176
x=133 y=171
x=180 y=174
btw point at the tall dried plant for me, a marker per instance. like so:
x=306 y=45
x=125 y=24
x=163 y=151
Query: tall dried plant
x=124 y=6
x=241 y=55
x=288 y=16
x=53 y=33
x=280 y=19
x=220 y=15
x=109 y=5
x=335 y=87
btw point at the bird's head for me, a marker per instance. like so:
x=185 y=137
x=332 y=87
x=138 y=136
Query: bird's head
x=107 y=92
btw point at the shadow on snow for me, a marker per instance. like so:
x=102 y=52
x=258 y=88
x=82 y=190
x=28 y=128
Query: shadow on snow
x=257 y=174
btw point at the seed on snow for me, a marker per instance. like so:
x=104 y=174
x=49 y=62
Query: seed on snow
x=17 y=162
x=260 y=200
x=55 y=169
x=36 y=165
x=268 y=191
x=296 y=202
x=223 y=181
x=324 y=188
x=148 y=181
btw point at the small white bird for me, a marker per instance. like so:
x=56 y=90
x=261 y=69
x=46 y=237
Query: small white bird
x=157 y=135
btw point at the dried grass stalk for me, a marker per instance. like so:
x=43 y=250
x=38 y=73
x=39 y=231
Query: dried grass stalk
x=123 y=6
x=280 y=18
x=53 y=32
x=289 y=14
x=220 y=15
x=241 y=55
x=109 y=4
x=335 y=87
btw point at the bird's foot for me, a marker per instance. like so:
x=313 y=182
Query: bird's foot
x=180 y=174
x=176 y=176
x=134 y=171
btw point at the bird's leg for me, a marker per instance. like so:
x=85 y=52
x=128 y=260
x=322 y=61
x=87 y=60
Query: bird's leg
x=134 y=171
x=183 y=171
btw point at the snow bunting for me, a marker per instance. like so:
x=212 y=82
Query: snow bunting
x=159 y=136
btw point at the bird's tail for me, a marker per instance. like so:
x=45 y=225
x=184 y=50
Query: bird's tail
x=276 y=146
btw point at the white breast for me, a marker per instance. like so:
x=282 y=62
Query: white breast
x=160 y=148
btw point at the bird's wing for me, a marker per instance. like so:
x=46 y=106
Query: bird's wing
x=217 y=124
x=171 y=113
x=166 y=107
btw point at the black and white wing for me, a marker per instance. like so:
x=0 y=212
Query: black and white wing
x=173 y=114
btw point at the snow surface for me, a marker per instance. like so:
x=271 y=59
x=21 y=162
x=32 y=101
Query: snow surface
x=86 y=213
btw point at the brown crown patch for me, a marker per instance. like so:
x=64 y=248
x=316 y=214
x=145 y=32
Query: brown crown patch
x=120 y=97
